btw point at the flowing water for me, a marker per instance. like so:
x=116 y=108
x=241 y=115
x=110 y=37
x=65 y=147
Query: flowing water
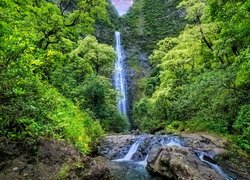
x=217 y=168
x=119 y=77
x=136 y=168
x=131 y=152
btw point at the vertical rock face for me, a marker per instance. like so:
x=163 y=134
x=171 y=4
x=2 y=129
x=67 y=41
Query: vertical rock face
x=151 y=21
x=142 y=27
x=179 y=163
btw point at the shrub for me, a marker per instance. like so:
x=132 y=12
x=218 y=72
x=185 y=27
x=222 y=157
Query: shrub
x=242 y=127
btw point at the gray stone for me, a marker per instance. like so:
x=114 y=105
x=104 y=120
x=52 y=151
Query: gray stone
x=179 y=163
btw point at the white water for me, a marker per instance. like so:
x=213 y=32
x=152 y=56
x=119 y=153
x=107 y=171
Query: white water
x=144 y=162
x=140 y=166
x=170 y=141
x=131 y=152
x=119 y=77
x=217 y=168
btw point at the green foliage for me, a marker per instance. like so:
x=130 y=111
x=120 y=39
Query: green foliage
x=63 y=172
x=67 y=169
x=203 y=74
x=83 y=78
x=105 y=28
x=149 y=21
x=100 y=99
x=242 y=127
x=44 y=61
x=95 y=57
x=69 y=122
x=142 y=27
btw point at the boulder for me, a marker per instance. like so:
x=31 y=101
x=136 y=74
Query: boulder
x=205 y=142
x=179 y=163
x=117 y=171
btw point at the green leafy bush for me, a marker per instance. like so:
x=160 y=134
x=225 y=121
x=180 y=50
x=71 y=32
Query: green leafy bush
x=242 y=127
x=202 y=75
x=37 y=39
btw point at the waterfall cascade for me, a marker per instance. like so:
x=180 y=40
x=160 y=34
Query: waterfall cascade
x=119 y=77
x=217 y=168
x=131 y=151
x=139 y=165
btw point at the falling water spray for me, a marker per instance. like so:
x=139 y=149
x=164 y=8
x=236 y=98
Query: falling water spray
x=119 y=77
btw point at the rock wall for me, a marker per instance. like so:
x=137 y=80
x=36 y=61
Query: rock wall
x=145 y=24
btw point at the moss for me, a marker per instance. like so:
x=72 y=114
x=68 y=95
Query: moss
x=67 y=169
x=63 y=172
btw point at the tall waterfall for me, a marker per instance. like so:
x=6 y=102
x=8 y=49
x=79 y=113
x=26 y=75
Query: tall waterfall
x=119 y=77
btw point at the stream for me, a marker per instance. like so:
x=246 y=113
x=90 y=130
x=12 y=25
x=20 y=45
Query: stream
x=133 y=157
x=136 y=158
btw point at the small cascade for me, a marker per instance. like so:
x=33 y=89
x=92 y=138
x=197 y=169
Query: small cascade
x=131 y=152
x=170 y=141
x=144 y=162
x=119 y=76
x=137 y=156
x=217 y=168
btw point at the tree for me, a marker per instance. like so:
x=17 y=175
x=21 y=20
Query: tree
x=203 y=73
x=36 y=40
x=99 y=57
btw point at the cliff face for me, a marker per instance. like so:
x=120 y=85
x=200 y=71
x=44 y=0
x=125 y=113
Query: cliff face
x=146 y=23
x=149 y=21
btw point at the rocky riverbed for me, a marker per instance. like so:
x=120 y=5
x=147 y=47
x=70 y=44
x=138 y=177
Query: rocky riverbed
x=188 y=156
x=124 y=157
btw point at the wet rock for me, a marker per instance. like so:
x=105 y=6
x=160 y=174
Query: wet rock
x=91 y=170
x=114 y=147
x=237 y=166
x=135 y=132
x=116 y=170
x=179 y=163
x=212 y=147
x=204 y=142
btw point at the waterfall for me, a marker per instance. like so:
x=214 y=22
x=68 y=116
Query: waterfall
x=131 y=151
x=217 y=168
x=119 y=77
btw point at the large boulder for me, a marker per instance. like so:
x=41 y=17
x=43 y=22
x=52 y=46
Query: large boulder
x=179 y=163
x=117 y=170
x=205 y=142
